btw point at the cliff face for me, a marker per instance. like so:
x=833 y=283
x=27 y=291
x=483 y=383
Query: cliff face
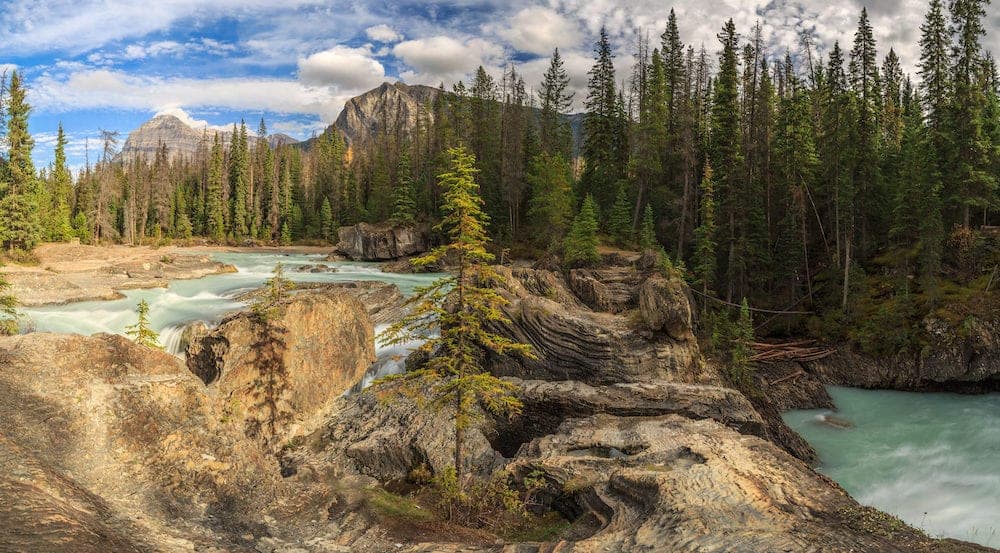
x=392 y=108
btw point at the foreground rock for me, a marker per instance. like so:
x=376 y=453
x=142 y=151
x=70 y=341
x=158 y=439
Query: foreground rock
x=383 y=301
x=270 y=371
x=673 y=484
x=101 y=439
x=386 y=242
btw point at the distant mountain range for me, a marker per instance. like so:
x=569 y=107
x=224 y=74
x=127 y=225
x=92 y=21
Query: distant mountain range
x=392 y=107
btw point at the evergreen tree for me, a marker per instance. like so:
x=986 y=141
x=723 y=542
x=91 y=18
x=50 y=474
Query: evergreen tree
x=550 y=209
x=326 y=222
x=555 y=101
x=647 y=231
x=580 y=245
x=142 y=332
x=239 y=183
x=286 y=234
x=58 y=225
x=602 y=138
x=276 y=289
x=404 y=203
x=182 y=223
x=214 y=204
x=452 y=375
x=741 y=351
x=705 y=254
x=19 y=219
x=620 y=221
x=8 y=309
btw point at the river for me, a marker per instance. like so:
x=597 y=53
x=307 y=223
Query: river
x=209 y=299
x=933 y=460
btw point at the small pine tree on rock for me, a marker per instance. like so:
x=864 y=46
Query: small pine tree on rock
x=580 y=246
x=275 y=290
x=142 y=332
x=8 y=310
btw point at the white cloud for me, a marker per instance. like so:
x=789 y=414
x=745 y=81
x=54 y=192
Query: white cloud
x=343 y=68
x=539 y=30
x=383 y=33
x=102 y=88
x=443 y=58
x=82 y=25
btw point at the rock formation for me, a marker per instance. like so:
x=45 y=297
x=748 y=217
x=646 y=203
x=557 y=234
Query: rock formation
x=365 y=242
x=271 y=371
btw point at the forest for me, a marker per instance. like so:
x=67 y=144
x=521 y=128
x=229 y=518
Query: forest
x=834 y=189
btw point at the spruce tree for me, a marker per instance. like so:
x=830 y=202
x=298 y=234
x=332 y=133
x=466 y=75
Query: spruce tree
x=704 y=235
x=603 y=142
x=214 y=205
x=239 y=183
x=142 y=332
x=327 y=225
x=20 y=226
x=555 y=101
x=580 y=245
x=550 y=208
x=620 y=220
x=452 y=376
x=61 y=194
x=647 y=231
x=404 y=201
x=741 y=350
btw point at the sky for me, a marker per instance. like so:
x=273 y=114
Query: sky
x=113 y=64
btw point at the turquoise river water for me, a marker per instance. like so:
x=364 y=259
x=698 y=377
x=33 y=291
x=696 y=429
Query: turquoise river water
x=933 y=460
x=209 y=299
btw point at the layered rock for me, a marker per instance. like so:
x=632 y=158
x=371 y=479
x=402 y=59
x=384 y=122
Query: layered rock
x=674 y=484
x=546 y=405
x=271 y=370
x=365 y=242
x=572 y=342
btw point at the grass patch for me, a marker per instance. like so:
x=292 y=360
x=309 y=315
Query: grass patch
x=545 y=528
x=398 y=507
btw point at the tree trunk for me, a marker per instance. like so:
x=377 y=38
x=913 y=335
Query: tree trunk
x=847 y=265
x=681 y=224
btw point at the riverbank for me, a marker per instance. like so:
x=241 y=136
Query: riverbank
x=67 y=273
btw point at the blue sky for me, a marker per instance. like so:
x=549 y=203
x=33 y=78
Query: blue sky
x=113 y=64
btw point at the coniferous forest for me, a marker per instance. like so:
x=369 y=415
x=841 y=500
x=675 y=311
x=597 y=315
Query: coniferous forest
x=837 y=195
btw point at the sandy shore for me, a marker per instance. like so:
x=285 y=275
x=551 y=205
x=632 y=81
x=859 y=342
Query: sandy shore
x=72 y=272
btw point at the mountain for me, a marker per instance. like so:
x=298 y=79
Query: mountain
x=182 y=140
x=393 y=108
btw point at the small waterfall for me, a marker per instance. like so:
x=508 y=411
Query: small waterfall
x=171 y=337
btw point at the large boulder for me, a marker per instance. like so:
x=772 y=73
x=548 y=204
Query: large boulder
x=274 y=372
x=365 y=242
x=664 y=306
x=102 y=440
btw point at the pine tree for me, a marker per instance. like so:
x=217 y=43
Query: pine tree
x=239 y=183
x=141 y=332
x=276 y=289
x=741 y=351
x=8 y=309
x=404 y=202
x=935 y=62
x=620 y=220
x=59 y=227
x=20 y=226
x=286 y=234
x=214 y=204
x=550 y=209
x=182 y=223
x=704 y=235
x=554 y=101
x=327 y=225
x=603 y=142
x=580 y=245
x=647 y=231
x=452 y=376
